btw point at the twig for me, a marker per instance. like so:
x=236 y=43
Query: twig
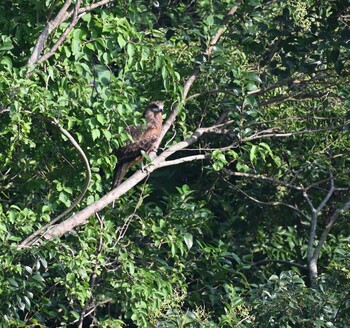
x=262 y=202
x=262 y=177
x=266 y=133
x=94 y=6
x=300 y=266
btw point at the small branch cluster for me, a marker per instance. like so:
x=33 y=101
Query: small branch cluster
x=313 y=253
x=66 y=12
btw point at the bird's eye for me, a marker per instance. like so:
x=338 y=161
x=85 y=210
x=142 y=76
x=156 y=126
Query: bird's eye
x=154 y=107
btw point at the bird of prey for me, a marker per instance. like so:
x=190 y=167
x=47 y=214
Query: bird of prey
x=143 y=138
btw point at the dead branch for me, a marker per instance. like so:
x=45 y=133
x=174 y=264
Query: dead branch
x=64 y=14
x=270 y=134
x=311 y=258
x=30 y=240
x=49 y=28
x=262 y=202
x=64 y=35
x=263 y=177
x=184 y=160
x=194 y=75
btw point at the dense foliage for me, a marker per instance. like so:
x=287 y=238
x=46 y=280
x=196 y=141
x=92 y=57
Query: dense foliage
x=250 y=225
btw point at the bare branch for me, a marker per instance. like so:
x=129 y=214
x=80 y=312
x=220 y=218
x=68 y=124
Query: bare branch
x=312 y=259
x=329 y=194
x=63 y=36
x=52 y=25
x=184 y=160
x=194 y=75
x=334 y=217
x=300 y=266
x=62 y=16
x=268 y=134
x=94 y=6
x=227 y=91
x=30 y=240
x=265 y=203
x=262 y=177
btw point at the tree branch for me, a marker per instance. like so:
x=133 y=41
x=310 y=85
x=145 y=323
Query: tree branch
x=81 y=217
x=184 y=160
x=265 y=203
x=334 y=217
x=62 y=16
x=52 y=25
x=269 y=134
x=31 y=239
x=312 y=259
x=262 y=177
x=194 y=75
x=63 y=36
x=300 y=266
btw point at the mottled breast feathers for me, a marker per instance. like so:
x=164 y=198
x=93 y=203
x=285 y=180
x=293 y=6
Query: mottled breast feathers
x=143 y=138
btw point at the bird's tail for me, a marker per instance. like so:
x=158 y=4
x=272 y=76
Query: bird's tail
x=120 y=172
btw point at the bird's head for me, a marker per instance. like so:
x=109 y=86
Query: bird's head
x=156 y=106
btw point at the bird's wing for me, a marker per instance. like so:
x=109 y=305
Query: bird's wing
x=143 y=139
x=128 y=155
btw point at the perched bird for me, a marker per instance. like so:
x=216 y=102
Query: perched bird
x=143 y=138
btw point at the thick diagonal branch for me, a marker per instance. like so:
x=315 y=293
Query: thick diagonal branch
x=192 y=78
x=81 y=217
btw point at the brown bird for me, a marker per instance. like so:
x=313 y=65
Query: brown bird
x=143 y=138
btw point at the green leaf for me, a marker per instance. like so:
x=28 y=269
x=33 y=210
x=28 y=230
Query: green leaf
x=7 y=62
x=251 y=87
x=107 y=134
x=13 y=282
x=130 y=50
x=188 y=238
x=6 y=46
x=252 y=77
x=95 y=134
x=241 y=167
x=101 y=119
x=63 y=197
x=38 y=277
x=253 y=152
x=121 y=41
x=249 y=101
